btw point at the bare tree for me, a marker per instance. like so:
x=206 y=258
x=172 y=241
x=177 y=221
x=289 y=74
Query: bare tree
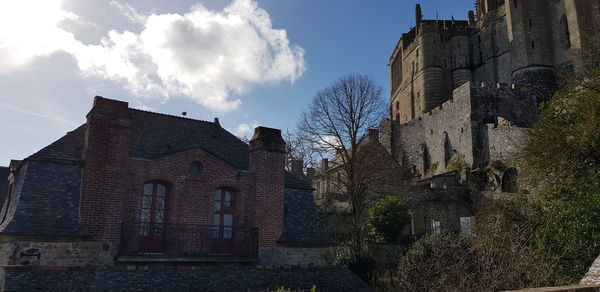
x=338 y=117
x=299 y=150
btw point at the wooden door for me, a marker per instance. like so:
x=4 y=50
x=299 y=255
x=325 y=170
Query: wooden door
x=222 y=230
x=152 y=218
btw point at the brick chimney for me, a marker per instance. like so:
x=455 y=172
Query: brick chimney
x=267 y=161
x=105 y=154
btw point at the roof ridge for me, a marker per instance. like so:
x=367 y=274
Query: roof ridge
x=172 y=116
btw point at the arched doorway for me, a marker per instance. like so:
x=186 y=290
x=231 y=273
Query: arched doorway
x=509 y=181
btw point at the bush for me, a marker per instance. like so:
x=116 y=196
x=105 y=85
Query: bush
x=387 y=218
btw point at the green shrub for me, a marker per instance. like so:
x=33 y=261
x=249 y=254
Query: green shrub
x=387 y=218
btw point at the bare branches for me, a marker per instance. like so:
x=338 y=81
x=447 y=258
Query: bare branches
x=335 y=123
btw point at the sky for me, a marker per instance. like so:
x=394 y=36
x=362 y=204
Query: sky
x=247 y=62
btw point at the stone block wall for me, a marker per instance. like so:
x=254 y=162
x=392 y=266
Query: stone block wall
x=55 y=254
x=592 y=277
x=293 y=256
x=182 y=279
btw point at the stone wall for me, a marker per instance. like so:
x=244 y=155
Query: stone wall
x=505 y=142
x=592 y=277
x=55 y=254
x=293 y=256
x=182 y=279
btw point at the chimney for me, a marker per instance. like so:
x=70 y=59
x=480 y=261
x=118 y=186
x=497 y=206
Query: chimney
x=297 y=167
x=324 y=164
x=267 y=162
x=106 y=148
x=373 y=135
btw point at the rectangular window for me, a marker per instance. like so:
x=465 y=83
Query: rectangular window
x=436 y=227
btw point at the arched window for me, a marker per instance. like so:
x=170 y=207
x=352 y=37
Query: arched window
x=152 y=217
x=195 y=169
x=222 y=230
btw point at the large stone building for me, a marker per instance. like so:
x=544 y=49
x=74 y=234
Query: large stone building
x=471 y=88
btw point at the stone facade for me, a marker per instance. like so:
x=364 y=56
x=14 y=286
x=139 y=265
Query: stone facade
x=55 y=254
x=296 y=257
x=183 y=278
x=471 y=88
x=506 y=41
x=592 y=277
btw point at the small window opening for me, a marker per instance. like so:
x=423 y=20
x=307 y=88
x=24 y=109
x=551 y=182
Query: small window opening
x=195 y=169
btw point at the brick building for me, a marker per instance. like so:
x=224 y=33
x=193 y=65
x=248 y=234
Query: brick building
x=131 y=186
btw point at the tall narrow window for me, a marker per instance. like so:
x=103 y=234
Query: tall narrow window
x=516 y=3
x=566 y=32
x=152 y=218
x=222 y=229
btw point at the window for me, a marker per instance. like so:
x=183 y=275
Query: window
x=152 y=216
x=530 y=23
x=223 y=214
x=532 y=44
x=195 y=169
x=436 y=227
x=516 y=3
x=566 y=32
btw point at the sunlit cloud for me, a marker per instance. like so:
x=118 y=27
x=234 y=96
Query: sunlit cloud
x=246 y=129
x=212 y=57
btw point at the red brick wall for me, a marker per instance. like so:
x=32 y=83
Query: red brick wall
x=107 y=144
x=267 y=159
x=113 y=182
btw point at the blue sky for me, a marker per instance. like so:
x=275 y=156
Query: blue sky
x=265 y=59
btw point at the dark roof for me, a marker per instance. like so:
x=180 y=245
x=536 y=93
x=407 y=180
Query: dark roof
x=47 y=201
x=66 y=149
x=3 y=183
x=291 y=181
x=301 y=223
x=157 y=135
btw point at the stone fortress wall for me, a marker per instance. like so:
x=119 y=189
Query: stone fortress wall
x=521 y=42
x=481 y=123
x=472 y=88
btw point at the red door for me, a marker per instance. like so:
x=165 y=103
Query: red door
x=152 y=219
x=222 y=230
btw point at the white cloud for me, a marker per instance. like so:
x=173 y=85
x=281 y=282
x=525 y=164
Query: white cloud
x=245 y=130
x=129 y=12
x=208 y=56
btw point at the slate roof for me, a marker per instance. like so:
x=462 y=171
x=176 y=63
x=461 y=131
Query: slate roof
x=3 y=183
x=157 y=135
x=45 y=201
x=291 y=181
x=301 y=223
x=66 y=149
